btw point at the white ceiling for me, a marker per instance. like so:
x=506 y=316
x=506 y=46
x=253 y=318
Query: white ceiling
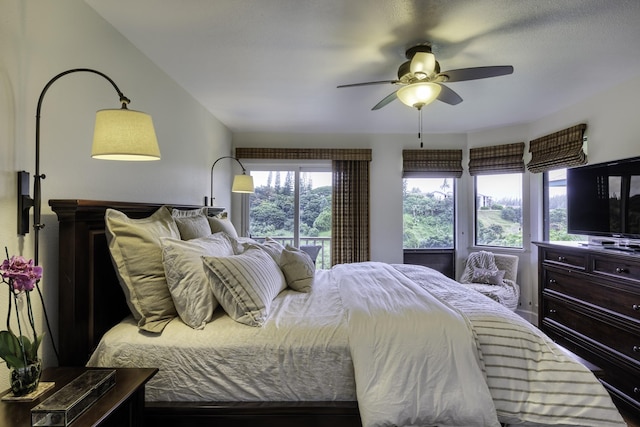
x=273 y=65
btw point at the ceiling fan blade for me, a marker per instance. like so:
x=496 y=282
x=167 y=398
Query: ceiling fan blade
x=423 y=63
x=386 y=100
x=476 y=73
x=379 y=82
x=448 y=96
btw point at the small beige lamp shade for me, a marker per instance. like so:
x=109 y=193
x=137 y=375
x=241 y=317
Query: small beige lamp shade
x=242 y=184
x=124 y=135
x=418 y=95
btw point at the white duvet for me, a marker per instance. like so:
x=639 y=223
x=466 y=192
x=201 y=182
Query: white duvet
x=308 y=351
x=414 y=357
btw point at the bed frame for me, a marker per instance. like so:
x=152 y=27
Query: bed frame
x=91 y=301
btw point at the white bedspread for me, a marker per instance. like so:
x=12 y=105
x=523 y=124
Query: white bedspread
x=300 y=354
x=414 y=357
x=304 y=353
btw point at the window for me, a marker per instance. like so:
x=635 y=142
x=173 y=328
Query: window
x=428 y=213
x=555 y=207
x=292 y=205
x=498 y=219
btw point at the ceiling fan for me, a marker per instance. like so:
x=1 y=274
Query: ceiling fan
x=422 y=81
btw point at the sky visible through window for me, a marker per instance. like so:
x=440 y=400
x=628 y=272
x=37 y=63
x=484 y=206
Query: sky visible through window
x=318 y=179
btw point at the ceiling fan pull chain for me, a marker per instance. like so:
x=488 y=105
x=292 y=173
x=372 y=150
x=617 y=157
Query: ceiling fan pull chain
x=420 y=126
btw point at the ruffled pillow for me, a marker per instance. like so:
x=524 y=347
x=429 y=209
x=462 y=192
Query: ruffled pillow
x=192 y=224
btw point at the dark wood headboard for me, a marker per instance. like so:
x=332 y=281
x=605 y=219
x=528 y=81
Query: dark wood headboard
x=90 y=299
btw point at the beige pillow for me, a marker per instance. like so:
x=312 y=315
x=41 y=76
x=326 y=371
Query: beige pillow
x=245 y=284
x=240 y=244
x=192 y=223
x=137 y=256
x=222 y=224
x=186 y=278
x=270 y=246
x=298 y=269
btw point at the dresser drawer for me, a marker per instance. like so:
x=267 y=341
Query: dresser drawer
x=566 y=259
x=616 y=267
x=606 y=295
x=610 y=337
x=624 y=383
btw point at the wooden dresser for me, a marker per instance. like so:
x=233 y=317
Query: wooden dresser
x=589 y=302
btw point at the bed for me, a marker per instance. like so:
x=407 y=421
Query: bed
x=495 y=348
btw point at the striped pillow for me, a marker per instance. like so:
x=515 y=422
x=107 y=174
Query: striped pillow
x=245 y=284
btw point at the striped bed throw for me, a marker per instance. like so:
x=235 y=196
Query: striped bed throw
x=532 y=381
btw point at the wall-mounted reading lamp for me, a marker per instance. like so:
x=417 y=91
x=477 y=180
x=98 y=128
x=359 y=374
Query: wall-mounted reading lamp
x=118 y=135
x=241 y=183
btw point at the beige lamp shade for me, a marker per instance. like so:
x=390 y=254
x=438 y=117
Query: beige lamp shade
x=242 y=184
x=124 y=135
x=418 y=95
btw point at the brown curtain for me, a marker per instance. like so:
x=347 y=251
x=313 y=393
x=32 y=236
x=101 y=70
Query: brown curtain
x=431 y=163
x=561 y=149
x=496 y=159
x=350 y=206
x=350 y=198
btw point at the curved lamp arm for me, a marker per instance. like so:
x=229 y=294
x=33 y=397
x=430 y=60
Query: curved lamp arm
x=24 y=201
x=244 y=172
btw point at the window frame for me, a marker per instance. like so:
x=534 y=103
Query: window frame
x=454 y=219
x=523 y=208
x=545 y=206
x=296 y=166
x=546 y=218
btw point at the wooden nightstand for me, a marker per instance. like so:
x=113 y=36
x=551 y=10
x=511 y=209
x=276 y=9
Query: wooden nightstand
x=123 y=405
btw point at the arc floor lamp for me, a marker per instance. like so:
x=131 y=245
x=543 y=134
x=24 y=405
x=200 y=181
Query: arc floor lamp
x=119 y=134
x=241 y=183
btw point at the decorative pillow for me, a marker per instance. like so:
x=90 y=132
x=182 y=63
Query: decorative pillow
x=270 y=246
x=192 y=223
x=241 y=244
x=222 y=224
x=245 y=284
x=298 y=269
x=484 y=275
x=188 y=283
x=186 y=213
x=137 y=256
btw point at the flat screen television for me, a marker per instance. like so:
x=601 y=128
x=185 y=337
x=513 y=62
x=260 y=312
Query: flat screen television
x=604 y=199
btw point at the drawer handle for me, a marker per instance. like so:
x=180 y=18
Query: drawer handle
x=553 y=311
x=636 y=349
x=636 y=389
x=621 y=270
x=636 y=307
x=553 y=281
x=562 y=258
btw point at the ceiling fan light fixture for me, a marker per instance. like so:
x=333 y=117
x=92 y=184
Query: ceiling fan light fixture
x=423 y=65
x=417 y=95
